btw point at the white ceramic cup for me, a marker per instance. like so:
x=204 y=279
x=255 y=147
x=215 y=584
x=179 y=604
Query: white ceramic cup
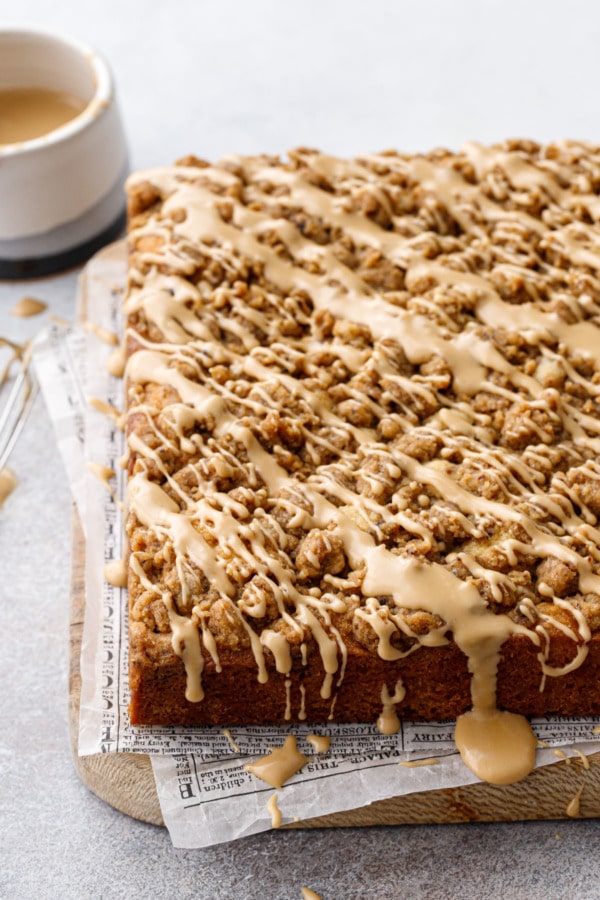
x=61 y=195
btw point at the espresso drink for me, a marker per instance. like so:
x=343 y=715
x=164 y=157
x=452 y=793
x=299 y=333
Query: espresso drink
x=27 y=113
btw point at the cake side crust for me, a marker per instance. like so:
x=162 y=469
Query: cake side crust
x=437 y=685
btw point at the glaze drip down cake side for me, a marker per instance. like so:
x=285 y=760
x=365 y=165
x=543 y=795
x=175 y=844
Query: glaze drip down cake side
x=363 y=436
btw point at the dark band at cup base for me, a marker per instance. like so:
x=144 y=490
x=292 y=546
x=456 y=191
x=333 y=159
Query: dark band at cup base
x=35 y=267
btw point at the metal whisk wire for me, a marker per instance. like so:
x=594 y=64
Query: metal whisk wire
x=20 y=399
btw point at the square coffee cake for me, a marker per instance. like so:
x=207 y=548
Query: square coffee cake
x=363 y=436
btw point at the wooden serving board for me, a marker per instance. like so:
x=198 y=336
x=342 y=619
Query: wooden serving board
x=126 y=780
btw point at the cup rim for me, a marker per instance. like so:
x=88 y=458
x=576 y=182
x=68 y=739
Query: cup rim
x=100 y=101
